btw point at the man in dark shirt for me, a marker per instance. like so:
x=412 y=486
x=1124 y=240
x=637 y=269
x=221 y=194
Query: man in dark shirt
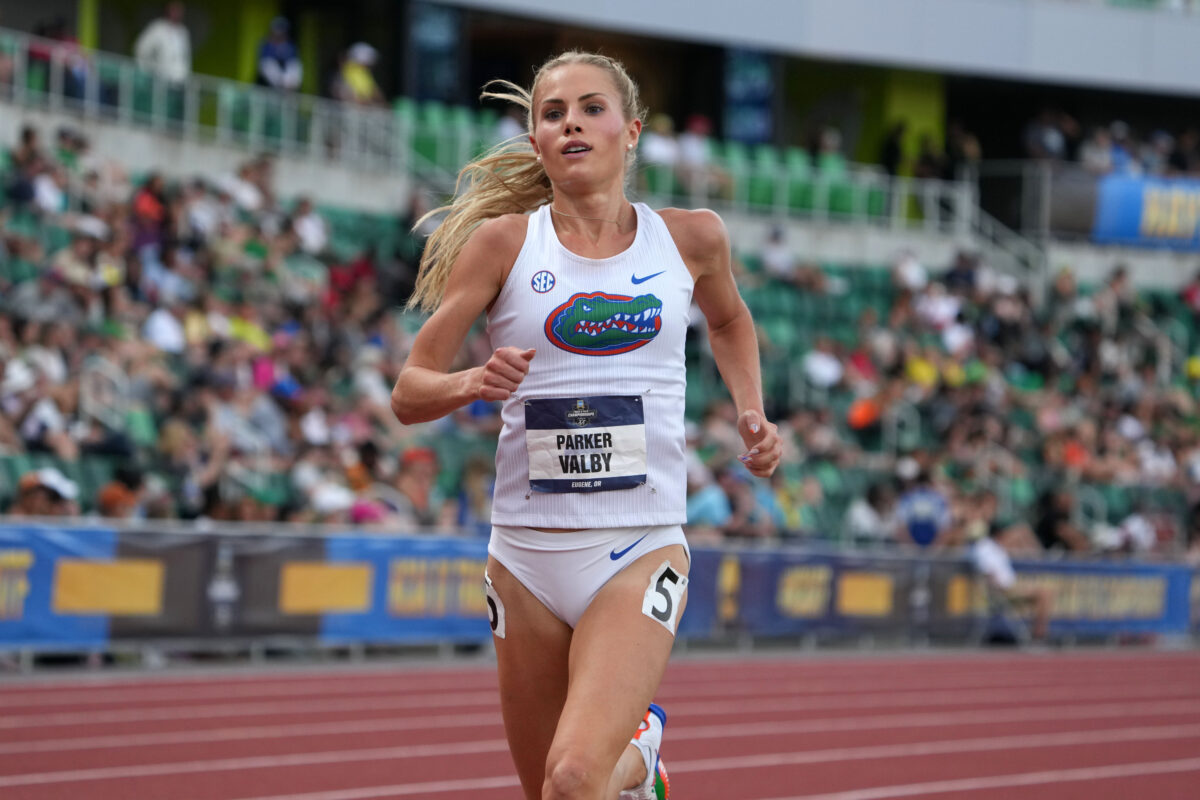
x=278 y=62
x=1054 y=528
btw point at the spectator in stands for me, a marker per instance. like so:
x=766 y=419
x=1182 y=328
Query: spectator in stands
x=749 y=517
x=510 y=125
x=700 y=175
x=50 y=191
x=194 y=462
x=923 y=510
x=355 y=82
x=473 y=509
x=822 y=365
x=778 y=260
x=1185 y=158
x=312 y=232
x=149 y=219
x=66 y=49
x=45 y=492
x=116 y=500
x=870 y=520
x=6 y=71
x=891 y=155
x=279 y=64
x=1052 y=135
x=1155 y=154
x=908 y=273
x=930 y=162
x=1192 y=555
x=708 y=507
x=1096 y=153
x=991 y=557
x=963 y=152
x=659 y=152
x=27 y=162
x=417 y=503
x=1190 y=294
x=164 y=47
x=1124 y=149
x=1054 y=527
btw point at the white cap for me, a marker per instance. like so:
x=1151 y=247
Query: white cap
x=362 y=53
x=18 y=377
x=54 y=480
x=330 y=498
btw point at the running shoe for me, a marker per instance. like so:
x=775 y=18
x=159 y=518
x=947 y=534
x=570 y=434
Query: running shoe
x=648 y=740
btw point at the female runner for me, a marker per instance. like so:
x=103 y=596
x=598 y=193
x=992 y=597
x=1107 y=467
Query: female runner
x=587 y=299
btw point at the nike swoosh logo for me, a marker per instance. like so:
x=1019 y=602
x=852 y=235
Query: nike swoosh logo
x=616 y=556
x=636 y=279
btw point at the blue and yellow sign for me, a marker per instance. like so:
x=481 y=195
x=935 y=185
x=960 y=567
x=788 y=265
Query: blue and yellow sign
x=1148 y=212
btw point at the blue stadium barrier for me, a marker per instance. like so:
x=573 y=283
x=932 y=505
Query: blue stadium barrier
x=84 y=587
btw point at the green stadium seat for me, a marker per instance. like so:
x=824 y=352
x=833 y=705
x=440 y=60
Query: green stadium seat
x=736 y=160
x=800 y=195
x=764 y=176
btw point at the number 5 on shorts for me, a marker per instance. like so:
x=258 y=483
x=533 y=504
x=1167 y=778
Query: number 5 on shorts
x=661 y=602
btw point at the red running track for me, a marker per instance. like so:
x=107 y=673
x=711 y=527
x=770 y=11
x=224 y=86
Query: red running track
x=1100 y=726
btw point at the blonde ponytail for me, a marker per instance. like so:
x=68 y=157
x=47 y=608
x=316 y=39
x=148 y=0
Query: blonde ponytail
x=508 y=179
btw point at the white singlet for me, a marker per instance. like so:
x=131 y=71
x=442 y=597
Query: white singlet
x=594 y=435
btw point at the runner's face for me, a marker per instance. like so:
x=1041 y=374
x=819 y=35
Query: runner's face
x=580 y=130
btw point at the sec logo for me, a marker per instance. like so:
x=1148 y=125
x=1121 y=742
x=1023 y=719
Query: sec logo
x=543 y=281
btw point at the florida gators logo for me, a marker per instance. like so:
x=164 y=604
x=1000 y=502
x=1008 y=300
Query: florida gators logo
x=602 y=324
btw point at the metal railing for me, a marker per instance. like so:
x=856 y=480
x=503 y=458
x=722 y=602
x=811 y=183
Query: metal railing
x=429 y=140
x=59 y=76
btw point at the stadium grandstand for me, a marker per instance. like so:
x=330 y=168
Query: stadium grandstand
x=204 y=281
x=968 y=232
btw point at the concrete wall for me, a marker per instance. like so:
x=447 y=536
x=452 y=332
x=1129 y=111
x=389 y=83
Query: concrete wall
x=139 y=150
x=1164 y=269
x=1075 y=43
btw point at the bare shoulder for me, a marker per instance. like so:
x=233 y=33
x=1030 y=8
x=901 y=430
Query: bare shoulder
x=500 y=236
x=699 y=234
x=489 y=253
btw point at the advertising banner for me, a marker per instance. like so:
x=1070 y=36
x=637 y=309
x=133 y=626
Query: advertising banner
x=383 y=589
x=58 y=587
x=1148 y=212
x=63 y=588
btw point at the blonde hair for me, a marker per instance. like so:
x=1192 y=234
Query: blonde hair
x=508 y=179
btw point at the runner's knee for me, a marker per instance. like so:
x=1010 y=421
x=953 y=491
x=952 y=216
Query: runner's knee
x=573 y=774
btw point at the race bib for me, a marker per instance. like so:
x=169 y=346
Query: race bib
x=586 y=444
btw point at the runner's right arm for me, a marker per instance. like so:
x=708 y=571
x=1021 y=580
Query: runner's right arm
x=425 y=389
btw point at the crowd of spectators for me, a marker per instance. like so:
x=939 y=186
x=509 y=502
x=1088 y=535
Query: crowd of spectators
x=1113 y=148
x=1042 y=406
x=205 y=334
x=255 y=363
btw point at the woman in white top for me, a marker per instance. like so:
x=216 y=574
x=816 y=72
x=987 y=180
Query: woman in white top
x=586 y=299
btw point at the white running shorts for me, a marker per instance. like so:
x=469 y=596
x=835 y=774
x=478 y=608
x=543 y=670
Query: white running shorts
x=566 y=570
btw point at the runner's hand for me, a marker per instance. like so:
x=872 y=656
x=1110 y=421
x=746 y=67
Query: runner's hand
x=763 y=446
x=503 y=373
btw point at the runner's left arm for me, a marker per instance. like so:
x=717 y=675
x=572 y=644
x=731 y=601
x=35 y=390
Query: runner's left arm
x=704 y=244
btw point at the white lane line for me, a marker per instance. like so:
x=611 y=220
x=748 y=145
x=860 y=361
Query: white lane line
x=816 y=756
x=404 y=789
x=396 y=685
x=1054 y=776
x=990 y=716
x=255 y=762
x=487 y=701
x=907 y=749
x=259 y=732
x=404 y=677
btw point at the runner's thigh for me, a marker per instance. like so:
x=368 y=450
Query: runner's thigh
x=618 y=656
x=532 y=664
